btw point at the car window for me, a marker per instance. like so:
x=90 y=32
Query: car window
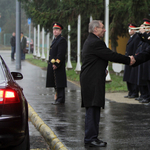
x=2 y=76
x=5 y=73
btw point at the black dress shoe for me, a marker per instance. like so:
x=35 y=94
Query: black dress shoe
x=133 y=96
x=98 y=140
x=57 y=103
x=96 y=144
x=139 y=99
x=144 y=101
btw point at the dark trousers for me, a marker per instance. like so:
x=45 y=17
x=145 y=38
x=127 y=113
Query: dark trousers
x=133 y=89
x=144 y=91
x=22 y=55
x=148 y=85
x=92 y=119
x=12 y=52
x=61 y=95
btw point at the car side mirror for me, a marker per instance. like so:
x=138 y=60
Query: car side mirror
x=17 y=75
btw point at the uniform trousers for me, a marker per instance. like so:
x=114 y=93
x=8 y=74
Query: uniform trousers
x=133 y=89
x=61 y=95
x=92 y=119
x=148 y=85
x=144 y=91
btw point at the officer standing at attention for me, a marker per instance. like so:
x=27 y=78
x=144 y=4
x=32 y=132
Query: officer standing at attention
x=56 y=73
x=130 y=73
x=143 y=56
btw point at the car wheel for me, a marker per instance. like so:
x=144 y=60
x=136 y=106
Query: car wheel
x=25 y=145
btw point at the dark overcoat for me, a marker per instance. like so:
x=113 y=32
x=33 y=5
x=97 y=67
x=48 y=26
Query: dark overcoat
x=57 y=51
x=13 y=41
x=142 y=57
x=144 y=68
x=145 y=54
x=95 y=57
x=130 y=73
x=23 y=43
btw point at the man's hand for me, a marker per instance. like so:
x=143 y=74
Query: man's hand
x=132 y=60
x=142 y=30
x=54 y=67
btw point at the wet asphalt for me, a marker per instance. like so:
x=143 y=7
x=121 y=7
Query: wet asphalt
x=123 y=126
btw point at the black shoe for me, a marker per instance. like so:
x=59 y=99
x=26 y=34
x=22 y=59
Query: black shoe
x=127 y=96
x=133 y=96
x=57 y=103
x=139 y=99
x=100 y=141
x=144 y=101
x=96 y=144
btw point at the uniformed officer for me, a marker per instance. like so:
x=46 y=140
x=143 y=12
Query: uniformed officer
x=146 y=69
x=130 y=73
x=142 y=70
x=145 y=56
x=143 y=31
x=56 y=73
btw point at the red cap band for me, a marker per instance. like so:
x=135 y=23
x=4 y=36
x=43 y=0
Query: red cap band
x=57 y=26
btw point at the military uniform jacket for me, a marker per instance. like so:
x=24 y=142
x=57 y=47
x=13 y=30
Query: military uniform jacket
x=57 y=51
x=145 y=37
x=95 y=57
x=130 y=73
x=144 y=68
x=144 y=55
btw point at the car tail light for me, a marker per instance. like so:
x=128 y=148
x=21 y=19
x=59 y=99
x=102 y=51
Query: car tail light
x=8 y=97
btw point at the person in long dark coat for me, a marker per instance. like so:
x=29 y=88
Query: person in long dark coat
x=142 y=69
x=144 y=56
x=95 y=57
x=56 y=73
x=146 y=76
x=13 y=45
x=140 y=58
x=130 y=73
x=23 y=46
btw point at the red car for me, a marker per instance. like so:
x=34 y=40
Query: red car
x=14 y=131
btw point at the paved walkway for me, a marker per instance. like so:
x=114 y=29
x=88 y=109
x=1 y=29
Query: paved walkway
x=125 y=123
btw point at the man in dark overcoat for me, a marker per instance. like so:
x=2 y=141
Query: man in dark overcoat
x=130 y=73
x=95 y=57
x=13 y=45
x=23 y=44
x=56 y=73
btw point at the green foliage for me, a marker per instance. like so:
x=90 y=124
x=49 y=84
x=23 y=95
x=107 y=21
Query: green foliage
x=45 y=12
x=71 y=74
x=122 y=12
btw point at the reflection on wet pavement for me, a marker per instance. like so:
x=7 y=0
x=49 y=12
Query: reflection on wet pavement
x=123 y=126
